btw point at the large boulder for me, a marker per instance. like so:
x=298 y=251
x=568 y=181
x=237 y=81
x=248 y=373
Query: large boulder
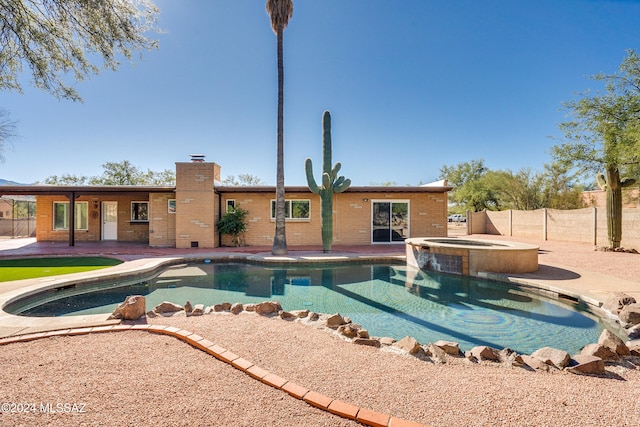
x=167 y=308
x=630 y=314
x=236 y=308
x=408 y=344
x=586 y=364
x=551 y=356
x=449 y=347
x=267 y=308
x=535 y=363
x=617 y=301
x=600 y=351
x=198 y=310
x=336 y=320
x=634 y=332
x=483 y=352
x=437 y=353
x=132 y=308
x=613 y=342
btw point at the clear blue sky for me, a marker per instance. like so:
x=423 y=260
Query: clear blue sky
x=412 y=85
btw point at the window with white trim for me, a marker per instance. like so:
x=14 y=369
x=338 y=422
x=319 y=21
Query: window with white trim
x=231 y=205
x=61 y=216
x=139 y=211
x=293 y=209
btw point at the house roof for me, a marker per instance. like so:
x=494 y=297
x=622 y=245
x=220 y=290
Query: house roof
x=38 y=190
x=305 y=189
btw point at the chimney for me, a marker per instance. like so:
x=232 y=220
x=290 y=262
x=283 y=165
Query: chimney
x=197 y=158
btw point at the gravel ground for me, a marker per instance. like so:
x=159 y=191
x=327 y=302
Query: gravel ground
x=136 y=378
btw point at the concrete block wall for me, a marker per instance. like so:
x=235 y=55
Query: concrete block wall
x=162 y=223
x=588 y=225
x=127 y=231
x=260 y=226
x=575 y=225
x=351 y=219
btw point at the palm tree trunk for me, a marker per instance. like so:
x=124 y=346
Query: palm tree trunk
x=280 y=238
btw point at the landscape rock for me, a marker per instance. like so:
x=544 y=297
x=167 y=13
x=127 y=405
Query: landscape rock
x=236 y=308
x=551 y=356
x=285 y=315
x=167 y=308
x=535 y=363
x=437 y=353
x=408 y=344
x=363 y=333
x=314 y=316
x=335 y=320
x=449 y=347
x=132 y=308
x=188 y=308
x=250 y=307
x=300 y=314
x=226 y=306
x=630 y=314
x=267 y=307
x=616 y=302
x=506 y=355
x=600 y=351
x=198 y=310
x=367 y=341
x=587 y=365
x=613 y=342
x=349 y=330
x=208 y=310
x=634 y=332
x=485 y=353
x=387 y=341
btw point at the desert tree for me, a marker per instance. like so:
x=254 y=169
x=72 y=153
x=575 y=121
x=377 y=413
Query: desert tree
x=280 y=11
x=54 y=39
x=603 y=137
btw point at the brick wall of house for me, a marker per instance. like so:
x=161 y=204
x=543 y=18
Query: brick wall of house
x=162 y=221
x=196 y=205
x=351 y=220
x=127 y=230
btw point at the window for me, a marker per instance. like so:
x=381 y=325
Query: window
x=171 y=206
x=293 y=209
x=61 y=216
x=231 y=205
x=139 y=211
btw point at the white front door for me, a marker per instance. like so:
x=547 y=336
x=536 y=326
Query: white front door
x=109 y=220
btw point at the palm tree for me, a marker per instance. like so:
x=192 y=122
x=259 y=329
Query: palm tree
x=280 y=11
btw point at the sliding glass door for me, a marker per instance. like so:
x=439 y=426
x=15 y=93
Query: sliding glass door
x=390 y=221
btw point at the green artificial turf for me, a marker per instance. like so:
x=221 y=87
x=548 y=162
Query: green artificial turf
x=29 y=268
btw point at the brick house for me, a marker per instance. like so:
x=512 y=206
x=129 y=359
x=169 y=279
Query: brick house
x=184 y=216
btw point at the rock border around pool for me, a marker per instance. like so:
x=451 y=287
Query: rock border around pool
x=592 y=359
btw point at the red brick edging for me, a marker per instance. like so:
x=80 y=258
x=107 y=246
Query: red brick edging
x=325 y=403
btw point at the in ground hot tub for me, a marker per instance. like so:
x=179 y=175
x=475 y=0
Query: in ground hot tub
x=471 y=256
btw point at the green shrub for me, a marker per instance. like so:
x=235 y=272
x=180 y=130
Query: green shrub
x=233 y=223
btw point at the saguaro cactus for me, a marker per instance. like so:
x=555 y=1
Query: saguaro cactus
x=612 y=184
x=331 y=183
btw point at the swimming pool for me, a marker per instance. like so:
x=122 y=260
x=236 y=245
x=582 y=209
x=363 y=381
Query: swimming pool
x=386 y=299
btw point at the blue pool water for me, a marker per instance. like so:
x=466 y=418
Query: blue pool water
x=387 y=300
